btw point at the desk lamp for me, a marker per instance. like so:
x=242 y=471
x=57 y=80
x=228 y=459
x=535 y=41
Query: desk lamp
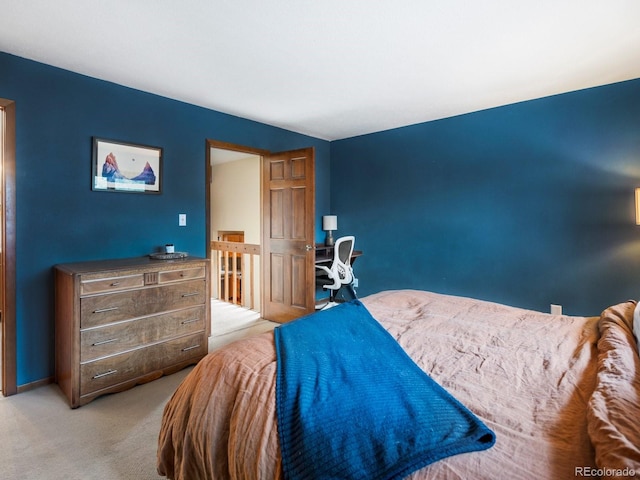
x=329 y=224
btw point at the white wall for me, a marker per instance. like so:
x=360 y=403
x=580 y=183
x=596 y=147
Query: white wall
x=235 y=198
x=236 y=206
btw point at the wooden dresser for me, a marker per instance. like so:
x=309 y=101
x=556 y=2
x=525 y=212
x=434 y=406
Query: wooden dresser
x=128 y=321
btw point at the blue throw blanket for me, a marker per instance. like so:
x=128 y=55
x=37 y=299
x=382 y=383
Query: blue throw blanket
x=352 y=404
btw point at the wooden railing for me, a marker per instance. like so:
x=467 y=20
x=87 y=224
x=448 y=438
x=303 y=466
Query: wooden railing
x=237 y=283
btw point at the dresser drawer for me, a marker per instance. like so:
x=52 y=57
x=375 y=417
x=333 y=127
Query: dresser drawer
x=111 y=284
x=102 y=309
x=122 y=336
x=167 y=276
x=121 y=368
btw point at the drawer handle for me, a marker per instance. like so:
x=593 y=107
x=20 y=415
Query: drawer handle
x=111 y=340
x=193 y=294
x=115 y=284
x=108 y=372
x=193 y=320
x=186 y=349
x=102 y=310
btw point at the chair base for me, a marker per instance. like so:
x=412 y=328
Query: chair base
x=325 y=306
x=333 y=301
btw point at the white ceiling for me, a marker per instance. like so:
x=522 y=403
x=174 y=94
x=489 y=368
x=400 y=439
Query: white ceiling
x=334 y=68
x=218 y=156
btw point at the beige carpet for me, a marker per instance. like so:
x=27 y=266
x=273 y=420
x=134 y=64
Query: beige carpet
x=113 y=437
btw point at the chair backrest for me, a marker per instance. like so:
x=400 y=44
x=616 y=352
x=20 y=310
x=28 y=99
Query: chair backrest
x=341 y=266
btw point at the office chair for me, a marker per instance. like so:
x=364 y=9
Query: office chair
x=340 y=273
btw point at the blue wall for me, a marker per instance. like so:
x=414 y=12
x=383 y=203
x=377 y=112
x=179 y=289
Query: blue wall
x=528 y=204
x=59 y=218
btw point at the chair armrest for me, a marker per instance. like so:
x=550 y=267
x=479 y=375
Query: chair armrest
x=325 y=269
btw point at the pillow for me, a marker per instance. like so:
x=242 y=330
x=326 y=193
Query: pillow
x=614 y=407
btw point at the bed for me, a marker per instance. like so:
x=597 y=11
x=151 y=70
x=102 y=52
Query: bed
x=560 y=394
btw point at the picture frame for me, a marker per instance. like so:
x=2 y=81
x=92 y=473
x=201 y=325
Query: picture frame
x=125 y=167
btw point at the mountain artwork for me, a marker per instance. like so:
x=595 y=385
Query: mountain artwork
x=125 y=167
x=111 y=172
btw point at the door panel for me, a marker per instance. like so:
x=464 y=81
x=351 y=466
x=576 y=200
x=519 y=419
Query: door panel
x=288 y=235
x=277 y=277
x=299 y=209
x=298 y=272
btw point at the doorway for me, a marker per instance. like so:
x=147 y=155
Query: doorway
x=233 y=235
x=285 y=241
x=235 y=227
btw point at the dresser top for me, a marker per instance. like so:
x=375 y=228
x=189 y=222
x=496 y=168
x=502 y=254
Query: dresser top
x=127 y=263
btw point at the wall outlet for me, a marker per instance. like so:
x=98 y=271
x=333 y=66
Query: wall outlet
x=355 y=283
x=556 y=309
x=182 y=219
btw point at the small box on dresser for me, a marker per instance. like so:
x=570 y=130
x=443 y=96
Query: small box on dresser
x=128 y=321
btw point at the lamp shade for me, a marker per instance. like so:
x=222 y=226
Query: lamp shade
x=329 y=222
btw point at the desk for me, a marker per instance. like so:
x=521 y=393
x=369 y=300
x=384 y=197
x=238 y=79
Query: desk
x=324 y=254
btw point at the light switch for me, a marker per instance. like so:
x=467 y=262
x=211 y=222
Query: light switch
x=182 y=219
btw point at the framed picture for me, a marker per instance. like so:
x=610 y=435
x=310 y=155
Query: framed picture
x=125 y=167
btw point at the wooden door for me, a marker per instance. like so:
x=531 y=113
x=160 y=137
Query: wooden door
x=288 y=235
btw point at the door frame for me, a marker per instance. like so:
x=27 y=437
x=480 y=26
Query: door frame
x=8 y=256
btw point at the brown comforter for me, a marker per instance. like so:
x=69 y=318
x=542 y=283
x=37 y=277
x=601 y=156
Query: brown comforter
x=529 y=376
